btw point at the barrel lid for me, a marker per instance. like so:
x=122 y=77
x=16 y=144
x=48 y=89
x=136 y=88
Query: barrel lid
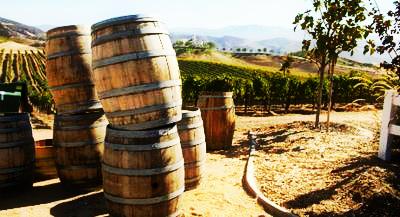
x=122 y=20
x=62 y=31
x=166 y=130
x=95 y=114
x=215 y=94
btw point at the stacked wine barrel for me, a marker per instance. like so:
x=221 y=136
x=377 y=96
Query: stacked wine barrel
x=193 y=142
x=138 y=81
x=17 y=151
x=79 y=125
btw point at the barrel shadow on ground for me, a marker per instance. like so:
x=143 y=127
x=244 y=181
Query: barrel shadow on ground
x=90 y=205
x=241 y=148
x=35 y=196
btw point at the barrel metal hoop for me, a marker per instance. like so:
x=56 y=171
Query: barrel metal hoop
x=147 y=109
x=196 y=142
x=92 y=115
x=132 y=56
x=143 y=172
x=58 y=127
x=151 y=124
x=122 y=20
x=15 y=144
x=16 y=117
x=141 y=134
x=194 y=164
x=147 y=147
x=17 y=169
x=129 y=33
x=75 y=85
x=145 y=201
x=67 y=34
x=4 y=185
x=191 y=114
x=17 y=129
x=217 y=108
x=96 y=141
x=195 y=179
x=67 y=53
x=139 y=88
x=78 y=167
x=190 y=126
x=92 y=106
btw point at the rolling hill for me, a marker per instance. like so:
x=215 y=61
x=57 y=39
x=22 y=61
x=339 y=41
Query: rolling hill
x=10 y=28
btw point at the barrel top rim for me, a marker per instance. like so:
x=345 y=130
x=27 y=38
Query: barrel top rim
x=121 y=20
x=216 y=93
x=67 y=117
x=190 y=111
x=78 y=28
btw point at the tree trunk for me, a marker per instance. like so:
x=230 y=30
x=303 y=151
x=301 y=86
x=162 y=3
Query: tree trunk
x=330 y=73
x=321 y=71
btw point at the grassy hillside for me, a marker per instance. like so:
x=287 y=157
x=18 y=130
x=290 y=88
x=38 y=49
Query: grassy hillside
x=246 y=63
x=300 y=67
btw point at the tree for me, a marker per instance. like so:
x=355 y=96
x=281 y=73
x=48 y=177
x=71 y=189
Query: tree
x=265 y=50
x=244 y=49
x=286 y=65
x=210 y=45
x=334 y=26
x=285 y=68
x=259 y=50
x=238 y=49
x=388 y=29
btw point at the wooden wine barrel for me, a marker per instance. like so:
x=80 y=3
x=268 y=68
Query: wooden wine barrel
x=193 y=142
x=17 y=151
x=69 y=71
x=79 y=142
x=143 y=173
x=218 y=113
x=136 y=72
x=45 y=166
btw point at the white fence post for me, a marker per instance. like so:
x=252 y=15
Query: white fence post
x=389 y=111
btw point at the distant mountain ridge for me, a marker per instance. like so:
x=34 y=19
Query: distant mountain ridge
x=10 y=28
x=274 y=45
x=280 y=40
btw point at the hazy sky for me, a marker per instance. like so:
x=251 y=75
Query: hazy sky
x=176 y=13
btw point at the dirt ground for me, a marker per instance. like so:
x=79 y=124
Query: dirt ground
x=337 y=174
x=220 y=194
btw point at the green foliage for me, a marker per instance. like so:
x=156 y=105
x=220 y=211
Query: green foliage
x=267 y=88
x=388 y=29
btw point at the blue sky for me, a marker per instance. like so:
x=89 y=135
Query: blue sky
x=176 y=13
